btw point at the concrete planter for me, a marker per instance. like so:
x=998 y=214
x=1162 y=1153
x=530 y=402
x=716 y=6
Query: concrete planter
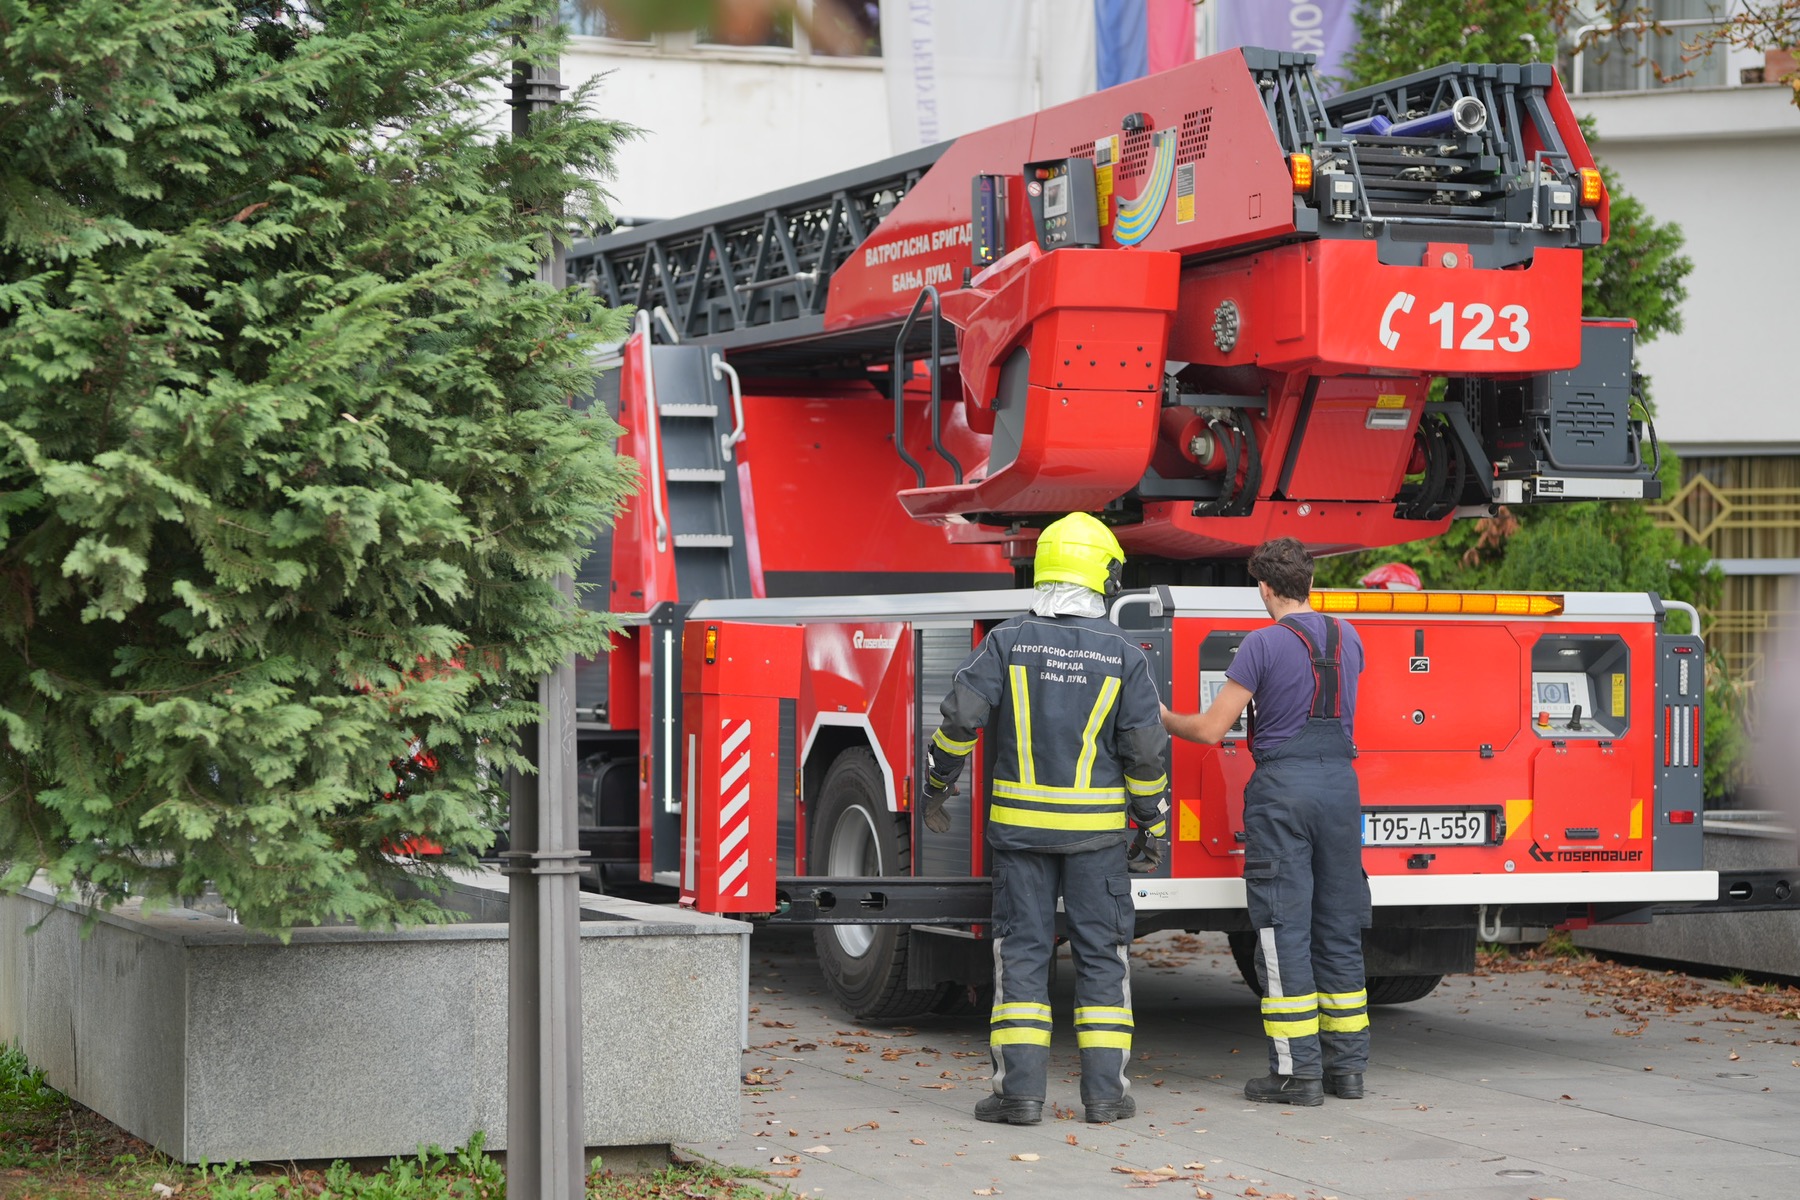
x=1764 y=942
x=214 y=1043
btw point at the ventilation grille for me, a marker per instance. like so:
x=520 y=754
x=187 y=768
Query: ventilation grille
x=1196 y=127
x=1586 y=420
x=1134 y=154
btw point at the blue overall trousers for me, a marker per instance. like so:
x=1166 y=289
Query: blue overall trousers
x=1308 y=895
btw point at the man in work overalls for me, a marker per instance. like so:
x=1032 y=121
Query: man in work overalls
x=1076 y=748
x=1303 y=875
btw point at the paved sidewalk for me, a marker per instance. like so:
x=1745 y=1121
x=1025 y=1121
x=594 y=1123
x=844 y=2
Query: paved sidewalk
x=1514 y=1086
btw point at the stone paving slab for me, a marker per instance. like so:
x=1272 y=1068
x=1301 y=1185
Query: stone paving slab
x=1495 y=1087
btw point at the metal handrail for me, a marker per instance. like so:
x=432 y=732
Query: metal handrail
x=660 y=519
x=721 y=369
x=1581 y=33
x=937 y=353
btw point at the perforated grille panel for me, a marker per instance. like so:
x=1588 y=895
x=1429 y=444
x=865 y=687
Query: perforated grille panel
x=1196 y=128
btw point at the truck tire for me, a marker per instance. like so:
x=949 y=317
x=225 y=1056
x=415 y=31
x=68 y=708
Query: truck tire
x=1401 y=989
x=1383 y=989
x=854 y=834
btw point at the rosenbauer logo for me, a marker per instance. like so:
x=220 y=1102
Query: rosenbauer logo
x=865 y=641
x=1585 y=856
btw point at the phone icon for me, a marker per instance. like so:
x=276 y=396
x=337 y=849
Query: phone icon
x=1401 y=303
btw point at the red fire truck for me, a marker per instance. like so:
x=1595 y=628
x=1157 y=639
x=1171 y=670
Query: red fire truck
x=1211 y=307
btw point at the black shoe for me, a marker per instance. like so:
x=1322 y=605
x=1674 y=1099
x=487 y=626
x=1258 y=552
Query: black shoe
x=1122 y=1109
x=1008 y=1110
x=1345 y=1087
x=1285 y=1089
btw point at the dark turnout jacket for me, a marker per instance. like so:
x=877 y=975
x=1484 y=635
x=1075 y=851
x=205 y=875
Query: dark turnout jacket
x=1079 y=734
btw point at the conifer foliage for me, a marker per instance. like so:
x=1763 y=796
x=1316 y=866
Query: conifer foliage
x=287 y=465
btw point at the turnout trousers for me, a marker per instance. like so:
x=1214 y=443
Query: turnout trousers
x=1100 y=920
x=1309 y=901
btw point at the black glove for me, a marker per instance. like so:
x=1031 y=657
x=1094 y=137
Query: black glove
x=1145 y=853
x=937 y=817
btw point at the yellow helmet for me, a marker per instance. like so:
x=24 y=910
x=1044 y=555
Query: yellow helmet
x=1079 y=549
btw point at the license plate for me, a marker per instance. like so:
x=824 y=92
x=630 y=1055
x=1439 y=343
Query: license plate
x=1425 y=827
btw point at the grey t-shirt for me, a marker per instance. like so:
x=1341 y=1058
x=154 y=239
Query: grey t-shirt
x=1274 y=665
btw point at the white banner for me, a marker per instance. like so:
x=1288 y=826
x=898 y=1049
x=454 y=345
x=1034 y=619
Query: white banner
x=954 y=66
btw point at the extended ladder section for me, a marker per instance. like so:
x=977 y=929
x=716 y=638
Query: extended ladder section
x=753 y=274
x=1465 y=145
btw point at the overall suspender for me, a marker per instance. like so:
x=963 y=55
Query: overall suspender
x=1327 y=672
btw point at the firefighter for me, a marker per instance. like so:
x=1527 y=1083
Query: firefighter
x=1077 y=754
x=1303 y=874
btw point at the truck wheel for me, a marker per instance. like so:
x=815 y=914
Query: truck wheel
x=1401 y=989
x=1383 y=989
x=853 y=834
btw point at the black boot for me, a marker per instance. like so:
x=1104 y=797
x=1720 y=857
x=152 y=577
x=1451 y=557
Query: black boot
x=1345 y=1087
x=1285 y=1089
x=1122 y=1109
x=1009 y=1110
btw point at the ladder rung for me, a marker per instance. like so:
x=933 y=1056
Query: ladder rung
x=695 y=475
x=705 y=541
x=709 y=411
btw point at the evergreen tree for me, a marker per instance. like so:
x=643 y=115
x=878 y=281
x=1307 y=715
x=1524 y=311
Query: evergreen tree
x=287 y=467
x=1399 y=37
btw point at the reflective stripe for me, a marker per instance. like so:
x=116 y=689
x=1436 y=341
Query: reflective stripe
x=1159 y=830
x=1021 y=1010
x=1008 y=790
x=1102 y=1039
x=1021 y=698
x=1019 y=1037
x=1331 y=1024
x=1032 y=819
x=1291 y=1028
x=1104 y=1015
x=1290 y=1004
x=1343 y=999
x=941 y=740
x=1084 y=765
x=1152 y=787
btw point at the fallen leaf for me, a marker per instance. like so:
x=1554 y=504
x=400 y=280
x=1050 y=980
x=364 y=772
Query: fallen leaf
x=1566 y=1096
x=1201 y=1193
x=987 y=1191
x=938 y=1087
x=818 y=1150
x=917 y=1141
x=1075 y=1141
x=163 y=1189
x=785 y=1159
x=1421 y=1108
x=790 y=1173
x=778 y=1024
x=1024 y=1158
x=1734 y=1056
x=1193 y=1166
x=864 y=1125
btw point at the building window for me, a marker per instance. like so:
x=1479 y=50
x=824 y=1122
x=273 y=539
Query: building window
x=753 y=25
x=846 y=28
x=586 y=18
x=1650 y=52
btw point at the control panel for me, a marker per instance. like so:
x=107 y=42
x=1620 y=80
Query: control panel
x=1578 y=687
x=1215 y=659
x=1065 y=207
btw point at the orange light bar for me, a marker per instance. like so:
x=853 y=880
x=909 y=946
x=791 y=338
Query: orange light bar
x=712 y=644
x=1499 y=604
x=1300 y=166
x=1593 y=188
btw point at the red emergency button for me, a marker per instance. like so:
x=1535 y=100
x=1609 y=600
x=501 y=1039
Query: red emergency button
x=1543 y=720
